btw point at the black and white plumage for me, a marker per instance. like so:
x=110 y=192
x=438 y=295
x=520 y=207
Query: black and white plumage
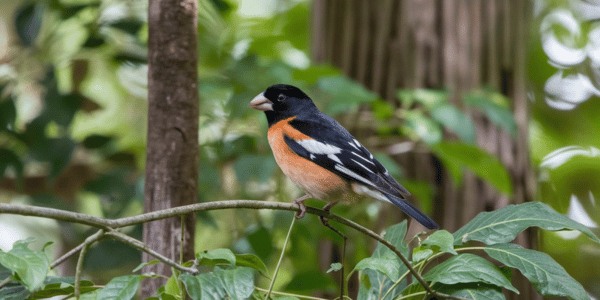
x=322 y=157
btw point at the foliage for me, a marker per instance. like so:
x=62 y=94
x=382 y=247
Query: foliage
x=447 y=262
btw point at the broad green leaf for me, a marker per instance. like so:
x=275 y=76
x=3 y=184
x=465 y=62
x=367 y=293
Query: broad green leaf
x=457 y=155
x=440 y=240
x=252 y=261
x=545 y=274
x=473 y=291
x=384 y=265
x=456 y=121
x=30 y=266
x=120 y=288
x=420 y=253
x=503 y=225
x=192 y=285
x=171 y=287
x=216 y=257
x=235 y=283
x=414 y=291
x=373 y=285
x=379 y=271
x=17 y=292
x=418 y=126
x=62 y=286
x=395 y=235
x=495 y=106
x=468 y=268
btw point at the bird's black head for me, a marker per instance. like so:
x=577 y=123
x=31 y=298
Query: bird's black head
x=281 y=101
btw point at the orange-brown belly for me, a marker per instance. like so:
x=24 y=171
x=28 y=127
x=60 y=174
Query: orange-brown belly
x=316 y=181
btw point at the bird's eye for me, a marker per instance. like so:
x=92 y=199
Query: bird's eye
x=281 y=97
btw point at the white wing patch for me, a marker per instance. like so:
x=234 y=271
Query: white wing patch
x=317 y=147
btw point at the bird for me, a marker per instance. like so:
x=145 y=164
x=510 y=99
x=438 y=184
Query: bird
x=320 y=156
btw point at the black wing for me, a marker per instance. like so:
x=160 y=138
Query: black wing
x=334 y=148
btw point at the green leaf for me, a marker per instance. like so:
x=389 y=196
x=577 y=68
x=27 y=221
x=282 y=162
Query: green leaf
x=192 y=285
x=468 y=268
x=216 y=257
x=546 y=275
x=62 y=286
x=30 y=266
x=473 y=291
x=456 y=121
x=495 y=106
x=457 y=155
x=421 y=253
x=171 y=287
x=503 y=225
x=120 y=288
x=334 y=267
x=442 y=241
x=418 y=126
x=252 y=261
x=379 y=271
x=235 y=283
x=384 y=265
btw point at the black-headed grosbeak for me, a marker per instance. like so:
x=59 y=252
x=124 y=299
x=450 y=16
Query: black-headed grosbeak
x=322 y=157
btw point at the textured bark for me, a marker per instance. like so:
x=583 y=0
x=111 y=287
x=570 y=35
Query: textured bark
x=171 y=163
x=458 y=45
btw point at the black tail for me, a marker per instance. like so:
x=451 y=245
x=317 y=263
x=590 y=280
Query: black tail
x=413 y=212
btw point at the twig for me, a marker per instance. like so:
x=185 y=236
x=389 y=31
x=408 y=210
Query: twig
x=93 y=238
x=143 y=247
x=287 y=238
x=5 y=281
x=79 y=268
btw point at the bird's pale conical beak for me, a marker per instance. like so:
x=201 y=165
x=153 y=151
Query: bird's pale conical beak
x=260 y=102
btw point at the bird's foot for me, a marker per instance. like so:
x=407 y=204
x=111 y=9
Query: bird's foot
x=301 y=206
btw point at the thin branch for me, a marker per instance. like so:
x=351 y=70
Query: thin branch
x=143 y=247
x=287 y=238
x=56 y=214
x=79 y=268
x=93 y=238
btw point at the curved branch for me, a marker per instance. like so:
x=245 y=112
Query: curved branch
x=108 y=224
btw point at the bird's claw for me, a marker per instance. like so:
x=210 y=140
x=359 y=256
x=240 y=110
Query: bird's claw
x=301 y=206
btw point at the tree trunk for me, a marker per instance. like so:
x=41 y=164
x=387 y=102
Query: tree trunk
x=458 y=45
x=172 y=151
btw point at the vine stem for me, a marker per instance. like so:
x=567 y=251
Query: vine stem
x=111 y=224
x=287 y=238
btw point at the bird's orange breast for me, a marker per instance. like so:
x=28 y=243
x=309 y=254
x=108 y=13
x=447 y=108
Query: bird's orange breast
x=315 y=180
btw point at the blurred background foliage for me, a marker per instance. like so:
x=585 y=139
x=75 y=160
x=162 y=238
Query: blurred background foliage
x=72 y=127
